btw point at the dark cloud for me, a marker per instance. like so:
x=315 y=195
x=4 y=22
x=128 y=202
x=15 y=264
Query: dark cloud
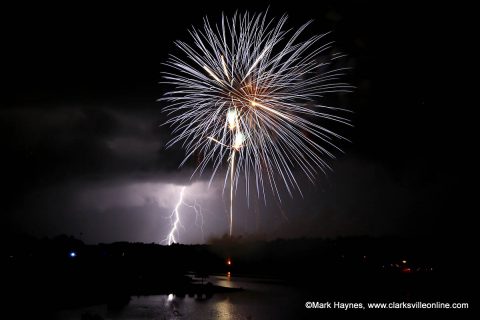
x=95 y=140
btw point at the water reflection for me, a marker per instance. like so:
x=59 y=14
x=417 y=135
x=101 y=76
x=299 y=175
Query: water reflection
x=224 y=309
x=226 y=281
x=260 y=300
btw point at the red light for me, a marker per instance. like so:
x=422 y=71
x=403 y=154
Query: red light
x=229 y=261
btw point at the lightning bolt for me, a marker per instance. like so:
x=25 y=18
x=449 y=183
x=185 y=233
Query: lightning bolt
x=176 y=222
x=199 y=218
x=175 y=217
x=199 y=222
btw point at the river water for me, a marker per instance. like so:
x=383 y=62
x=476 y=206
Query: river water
x=261 y=299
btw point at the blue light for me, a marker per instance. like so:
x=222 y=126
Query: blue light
x=73 y=254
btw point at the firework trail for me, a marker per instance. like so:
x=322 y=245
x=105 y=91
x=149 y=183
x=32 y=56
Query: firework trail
x=248 y=91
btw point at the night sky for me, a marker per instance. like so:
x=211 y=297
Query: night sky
x=83 y=153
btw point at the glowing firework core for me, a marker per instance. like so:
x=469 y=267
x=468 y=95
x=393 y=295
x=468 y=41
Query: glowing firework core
x=239 y=138
x=232 y=118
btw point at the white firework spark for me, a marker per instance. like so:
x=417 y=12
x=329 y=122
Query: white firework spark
x=248 y=92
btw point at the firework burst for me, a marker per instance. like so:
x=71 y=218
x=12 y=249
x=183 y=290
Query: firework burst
x=248 y=92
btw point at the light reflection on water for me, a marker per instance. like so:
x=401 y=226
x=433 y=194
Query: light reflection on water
x=260 y=300
x=224 y=309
